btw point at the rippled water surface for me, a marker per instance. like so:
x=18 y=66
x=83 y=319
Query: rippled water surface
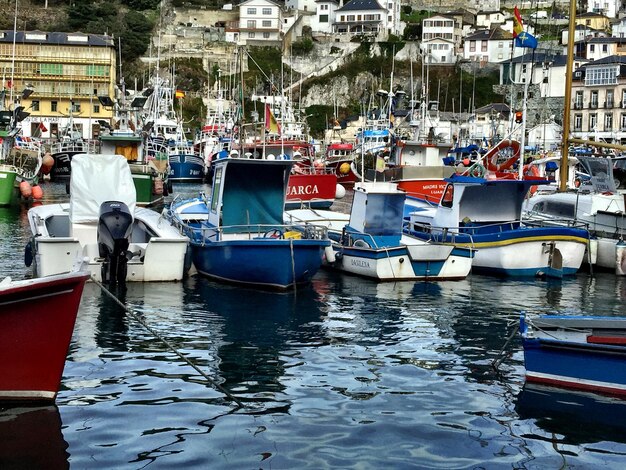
x=345 y=373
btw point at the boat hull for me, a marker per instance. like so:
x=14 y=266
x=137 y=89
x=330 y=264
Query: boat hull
x=315 y=191
x=522 y=252
x=8 y=194
x=272 y=263
x=420 y=262
x=579 y=366
x=37 y=319
x=185 y=168
x=62 y=168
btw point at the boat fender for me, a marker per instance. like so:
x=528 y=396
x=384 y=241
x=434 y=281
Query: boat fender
x=37 y=193
x=25 y=189
x=273 y=233
x=329 y=253
x=28 y=254
x=620 y=258
x=340 y=191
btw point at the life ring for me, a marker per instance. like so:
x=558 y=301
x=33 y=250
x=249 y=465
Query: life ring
x=491 y=157
x=361 y=244
x=477 y=171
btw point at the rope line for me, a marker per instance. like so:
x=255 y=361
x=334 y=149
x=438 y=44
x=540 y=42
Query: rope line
x=139 y=320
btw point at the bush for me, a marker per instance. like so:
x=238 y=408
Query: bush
x=302 y=47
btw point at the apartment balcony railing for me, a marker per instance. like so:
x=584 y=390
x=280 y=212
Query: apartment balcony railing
x=593 y=105
x=578 y=105
x=608 y=105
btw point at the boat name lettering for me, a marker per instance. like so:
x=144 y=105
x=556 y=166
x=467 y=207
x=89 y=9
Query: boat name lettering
x=307 y=189
x=360 y=263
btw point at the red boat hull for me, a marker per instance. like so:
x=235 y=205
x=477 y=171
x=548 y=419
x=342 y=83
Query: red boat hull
x=314 y=190
x=428 y=189
x=36 y=323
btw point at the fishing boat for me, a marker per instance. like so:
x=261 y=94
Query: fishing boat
x=149 y=168
x=103 y=227
x=373 y=245
x=576 y=352
x=239 y=235
x=339 y=157
x=485 y=215
x=70 y=142
x=312 y=186
x=597 y=204
x=37 y=318
x=186 y=166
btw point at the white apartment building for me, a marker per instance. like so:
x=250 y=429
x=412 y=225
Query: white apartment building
x=488 y=46
x=260 y=20
x=609 y=8
x=324 y=17
x=489 y=19
x=440 y=27
x=369 y=17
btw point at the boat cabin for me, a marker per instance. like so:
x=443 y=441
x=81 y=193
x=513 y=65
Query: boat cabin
x=248 y=194
x=377 y=210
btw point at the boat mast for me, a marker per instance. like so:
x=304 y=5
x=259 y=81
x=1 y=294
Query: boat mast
x=563 y=171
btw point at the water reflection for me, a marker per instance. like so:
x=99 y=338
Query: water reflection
x=31 y=437
x=575 y=417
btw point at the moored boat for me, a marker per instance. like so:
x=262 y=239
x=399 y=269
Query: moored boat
x=576 y=352
x=373 y=245
x=102 y=226
x=239 y=235
x=37 y=318
x=486 y=215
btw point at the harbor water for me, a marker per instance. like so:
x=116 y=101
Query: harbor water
x=344 y=373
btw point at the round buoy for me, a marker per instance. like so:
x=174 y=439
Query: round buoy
x=47 y=163
x=344 y=168
x=25 y=189
x=37 y=192
x=340 y=192
x=467 y=162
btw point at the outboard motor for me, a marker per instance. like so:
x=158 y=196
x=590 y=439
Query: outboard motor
x=115 y=225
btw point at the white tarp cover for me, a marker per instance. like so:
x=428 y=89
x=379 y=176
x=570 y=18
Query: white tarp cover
x=96 y=179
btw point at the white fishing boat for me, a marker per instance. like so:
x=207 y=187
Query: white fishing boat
x=373 y=245
x=102 y=227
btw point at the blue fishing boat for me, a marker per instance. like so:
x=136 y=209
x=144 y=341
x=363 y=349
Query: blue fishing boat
x=238 y=235
x=576 y=352
x=372 y=243
x=485 y=215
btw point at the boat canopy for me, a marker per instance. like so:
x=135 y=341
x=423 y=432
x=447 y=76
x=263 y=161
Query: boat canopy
x=253 y=192
x=96 y=179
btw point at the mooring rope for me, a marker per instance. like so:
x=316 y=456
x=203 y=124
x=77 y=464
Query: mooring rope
x=139 y=320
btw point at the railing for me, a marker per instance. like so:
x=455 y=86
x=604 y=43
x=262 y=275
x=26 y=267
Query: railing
x=207 y=234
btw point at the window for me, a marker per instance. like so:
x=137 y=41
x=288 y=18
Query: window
x=623 y=122
x=448 y=196
x=34 y=105
x=251 y=35
x=593 y=122
x=53 y=106
x=578 y=101
x=96 y=108
x=608 y=122
x=483 y=46
x=267 y=23
x=500 y=45
x=609 y=99
x=472 y=46
x=75 y=107
x=605 y=48
x=601 y=75
x=268 y=11
x=266 y=35
x=350 y=17
x=592 y=48
x=97 y=71
x=594 y=99
x=578 y=122
x=51 y=69
x=323 y=18
x=251 y=11
x=252 y=24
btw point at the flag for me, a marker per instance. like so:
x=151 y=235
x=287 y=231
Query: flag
x=380 y=163
x=270 y=121
x=518 y=27
x=42 y=128
x=180 y=94
x=525 y=39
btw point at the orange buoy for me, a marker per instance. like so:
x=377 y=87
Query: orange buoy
x=37 y=192
x=47 y=163
x=157 y=187
x=25 y=189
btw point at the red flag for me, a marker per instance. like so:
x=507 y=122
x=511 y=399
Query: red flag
x=42 y=128
x=518 y=26
x=271 y=124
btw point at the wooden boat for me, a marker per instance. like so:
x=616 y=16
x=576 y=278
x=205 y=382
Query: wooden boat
x=37 y=318
x=121 y=242
x=576 y=352
x=239 y=235
x=486 y=215
x=373 y=245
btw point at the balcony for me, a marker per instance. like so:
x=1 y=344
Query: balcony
x=578 y=105
x=593 y=105
x=609 y=104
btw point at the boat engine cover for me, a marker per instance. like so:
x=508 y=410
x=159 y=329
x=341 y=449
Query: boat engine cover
x=115 y=225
